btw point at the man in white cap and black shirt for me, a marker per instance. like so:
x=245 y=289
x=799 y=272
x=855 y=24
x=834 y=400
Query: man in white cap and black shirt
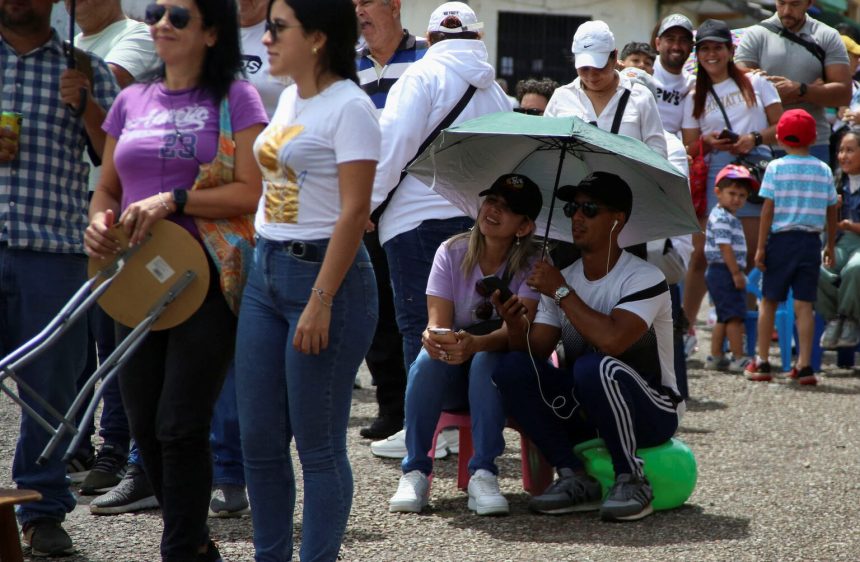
x=452 y=82
x=674 y=44
x=601 y=96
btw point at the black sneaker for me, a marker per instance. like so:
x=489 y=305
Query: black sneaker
x=211 y=554
x=133 y=493
x=570 y=492
x=46 y=537
x=382 y=427
x=78 y=467
x=628 y=500
x=106 y=473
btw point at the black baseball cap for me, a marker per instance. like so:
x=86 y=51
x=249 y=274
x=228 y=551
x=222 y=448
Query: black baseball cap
x=603 y=187
x=520 y=192
x=714 y=30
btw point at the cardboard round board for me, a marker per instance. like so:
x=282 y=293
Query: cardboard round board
x=168 y=253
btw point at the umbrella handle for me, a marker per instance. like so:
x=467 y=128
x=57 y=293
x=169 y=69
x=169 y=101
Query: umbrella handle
x=552 y=201
x=82 y=104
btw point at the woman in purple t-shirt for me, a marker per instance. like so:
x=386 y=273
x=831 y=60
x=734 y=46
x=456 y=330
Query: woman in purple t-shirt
x=452 y=371
x=158 y=134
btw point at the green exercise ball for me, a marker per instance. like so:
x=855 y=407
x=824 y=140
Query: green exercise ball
x=670 y=468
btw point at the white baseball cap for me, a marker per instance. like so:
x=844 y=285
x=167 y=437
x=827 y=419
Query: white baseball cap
x=465 y=14
x=592 y=44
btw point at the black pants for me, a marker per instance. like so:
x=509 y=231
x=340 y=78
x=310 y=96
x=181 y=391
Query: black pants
x=385 y=358
x=169 y=388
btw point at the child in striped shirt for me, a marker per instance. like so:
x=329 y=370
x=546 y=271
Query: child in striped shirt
x=799 y=202
x=726 y=254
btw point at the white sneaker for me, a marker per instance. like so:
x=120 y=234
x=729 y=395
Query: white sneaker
x=412 y=494
x=485 y=498
x=394 y=447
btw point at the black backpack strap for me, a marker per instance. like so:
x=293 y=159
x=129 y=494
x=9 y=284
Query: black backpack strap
x=722 y=109
x=444 y=124
x=814 y=48
x=619 y=112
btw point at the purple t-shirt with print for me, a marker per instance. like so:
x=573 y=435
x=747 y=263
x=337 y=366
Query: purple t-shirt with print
x=448 y=282
x=163 y=136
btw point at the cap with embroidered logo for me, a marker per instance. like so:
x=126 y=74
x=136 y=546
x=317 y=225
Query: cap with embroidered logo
x=520 y=193
x=454 y=17
x=675 y=20
x=592 y=44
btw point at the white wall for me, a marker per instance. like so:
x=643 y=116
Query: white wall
x=630 y=20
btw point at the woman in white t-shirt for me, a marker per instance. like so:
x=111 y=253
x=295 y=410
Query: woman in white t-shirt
x=752 y=109
x=310 y=308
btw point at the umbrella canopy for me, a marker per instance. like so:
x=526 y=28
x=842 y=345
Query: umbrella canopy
x=466 y=159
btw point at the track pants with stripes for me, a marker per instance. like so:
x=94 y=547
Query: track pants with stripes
x=558 y=408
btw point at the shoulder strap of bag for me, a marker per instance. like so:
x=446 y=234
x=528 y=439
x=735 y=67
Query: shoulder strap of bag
x=444 y=124
x=619 y=112
x=811 y=46
x=722 y=109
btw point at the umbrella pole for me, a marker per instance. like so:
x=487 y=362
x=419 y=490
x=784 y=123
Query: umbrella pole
x=552 y=201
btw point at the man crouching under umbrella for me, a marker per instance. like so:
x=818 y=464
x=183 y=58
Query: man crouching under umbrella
x=613 y=315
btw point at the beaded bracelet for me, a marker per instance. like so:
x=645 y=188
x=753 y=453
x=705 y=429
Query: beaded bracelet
x=320 y=294
x=163 y=202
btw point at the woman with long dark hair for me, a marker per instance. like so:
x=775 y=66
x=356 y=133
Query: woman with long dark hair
x=310 y=308
x=158 y=135
x=735 y=115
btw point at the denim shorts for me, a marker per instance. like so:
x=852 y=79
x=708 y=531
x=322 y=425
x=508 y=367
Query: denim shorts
x=792 y=261
x=729 y=301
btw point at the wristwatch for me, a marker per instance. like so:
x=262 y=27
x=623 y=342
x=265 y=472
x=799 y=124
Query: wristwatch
x=803 y=88
x=180 y=197
x=560 y=293
x=757 y=138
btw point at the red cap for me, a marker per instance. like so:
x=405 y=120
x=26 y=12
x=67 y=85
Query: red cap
x=736 y=172
x=796 y=127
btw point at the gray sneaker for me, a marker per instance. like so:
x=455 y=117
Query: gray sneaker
x=628 y=500
x=133 y=493
x=831 y=333
x=570 y=492
x=849 y=335
x=228 y=501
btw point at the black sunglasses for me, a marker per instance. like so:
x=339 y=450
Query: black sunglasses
x=176 y=15
x=529 y=110
x=274 y=27
x=484 y=311
x=589 y=208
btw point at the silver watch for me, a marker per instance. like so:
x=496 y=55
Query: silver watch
x=560 y=293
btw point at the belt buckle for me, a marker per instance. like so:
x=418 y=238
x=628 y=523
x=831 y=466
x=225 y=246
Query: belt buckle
x=298 y=249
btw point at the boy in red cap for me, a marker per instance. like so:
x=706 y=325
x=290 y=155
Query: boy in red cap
x=726 y=254
x=799 y=201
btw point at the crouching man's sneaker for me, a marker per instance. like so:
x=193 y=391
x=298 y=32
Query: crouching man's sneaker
x=413 y=493
x=228 y=500
x=46 y=537
x=570 y=492
x=133 y=493
x=628 y=500
x=394 y=446
x=485 y=498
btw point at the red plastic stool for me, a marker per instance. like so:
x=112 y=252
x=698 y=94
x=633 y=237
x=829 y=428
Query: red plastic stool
x=537 y=473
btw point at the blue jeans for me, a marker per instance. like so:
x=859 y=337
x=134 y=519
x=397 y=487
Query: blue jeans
x=284 y=394
x=410 y=257
x=434 y=386
x=34 y=286
x=227 y=465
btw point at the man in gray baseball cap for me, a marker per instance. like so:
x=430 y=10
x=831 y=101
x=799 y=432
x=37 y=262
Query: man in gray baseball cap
x=674 y=43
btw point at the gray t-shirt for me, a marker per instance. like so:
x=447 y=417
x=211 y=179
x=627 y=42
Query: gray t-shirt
x=780 y=57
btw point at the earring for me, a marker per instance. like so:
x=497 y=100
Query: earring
x=518 y=240
x=314 y=50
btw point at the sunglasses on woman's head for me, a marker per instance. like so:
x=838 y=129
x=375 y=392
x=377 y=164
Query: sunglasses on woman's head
x=589 y=208
x=529 y=111
x=176 y=15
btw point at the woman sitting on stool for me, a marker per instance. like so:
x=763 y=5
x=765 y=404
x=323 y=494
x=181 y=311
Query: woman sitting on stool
x=456 y=375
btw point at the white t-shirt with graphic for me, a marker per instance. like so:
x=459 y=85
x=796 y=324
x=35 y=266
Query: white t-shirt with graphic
x=299 y=152
x=672 y=89
x=744 y=119
x=255 y=61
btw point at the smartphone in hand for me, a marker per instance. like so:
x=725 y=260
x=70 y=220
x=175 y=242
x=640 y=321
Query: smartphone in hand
x=490 y=284
x=727 y=134
x=442 y=335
